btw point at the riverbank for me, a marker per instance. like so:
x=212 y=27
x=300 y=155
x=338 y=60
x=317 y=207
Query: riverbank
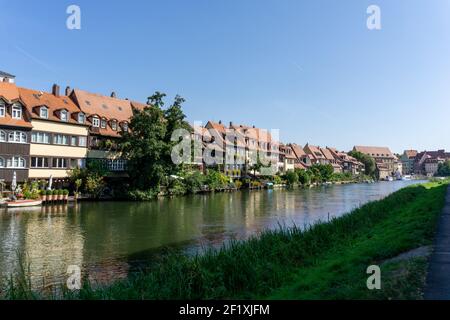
x=326 y=261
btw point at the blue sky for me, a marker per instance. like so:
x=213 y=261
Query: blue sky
x=309 y=68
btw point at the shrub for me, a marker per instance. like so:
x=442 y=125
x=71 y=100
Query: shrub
x=138 y=195
x=194 y=182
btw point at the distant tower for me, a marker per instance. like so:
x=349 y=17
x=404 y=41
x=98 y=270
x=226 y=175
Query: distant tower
x=6 y=77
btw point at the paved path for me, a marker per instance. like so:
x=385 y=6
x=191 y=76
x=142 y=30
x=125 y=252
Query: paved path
x=438 y=279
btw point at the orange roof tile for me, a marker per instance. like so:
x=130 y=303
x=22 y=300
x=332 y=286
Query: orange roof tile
x=33 y=99
x=103 y=106
x=9 y=92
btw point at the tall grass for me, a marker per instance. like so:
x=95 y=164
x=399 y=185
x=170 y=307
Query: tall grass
x=271 y=261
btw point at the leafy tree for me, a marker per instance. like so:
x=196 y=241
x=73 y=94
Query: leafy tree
x=291 y=177
x=147 y=145
x=368 y=161
x=304 y=176
x=444 y=169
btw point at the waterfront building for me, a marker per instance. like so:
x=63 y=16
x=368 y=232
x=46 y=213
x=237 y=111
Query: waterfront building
x=60 y=134
x=386 y=162
x=317 y=157
x=334 y=161
x=106 y=117
x=407 y=159
x=302 y=160
x=15 y=134
x=348 y=163
x=427 y=162
x=286 y=159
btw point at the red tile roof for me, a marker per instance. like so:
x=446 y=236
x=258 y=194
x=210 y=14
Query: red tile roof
x=375 y=151
x=34 y=99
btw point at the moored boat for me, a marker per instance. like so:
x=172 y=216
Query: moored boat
x=22 y=203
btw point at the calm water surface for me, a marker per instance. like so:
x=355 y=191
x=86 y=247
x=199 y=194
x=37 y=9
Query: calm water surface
x=108 y=239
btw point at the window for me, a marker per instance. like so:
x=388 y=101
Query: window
x=60 y=139
x=17 y=136
x=95 y=122
x=43 y=113
x=125 y=126
x=64 y=115
x=103 y=124
x=2 y=109
x=73 y=141
x=17 y=111
x=2 y=136
x=81 y=118
x=59 y=163
x=40 y=137
x=82 y=142
x=77 y=163
x=39 y=162
x=2 y=162
x=114 y=125
x=15 y=162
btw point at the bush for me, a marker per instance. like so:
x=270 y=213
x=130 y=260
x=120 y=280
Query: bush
x=194 y=182
x=291 y=178
x=216 y=180
x=138 y=195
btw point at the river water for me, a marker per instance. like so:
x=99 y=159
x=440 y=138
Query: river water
x=108 y=239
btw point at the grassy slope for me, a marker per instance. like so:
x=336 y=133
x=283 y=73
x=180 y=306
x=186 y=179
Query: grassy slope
x=340 y=273
x=325 y=262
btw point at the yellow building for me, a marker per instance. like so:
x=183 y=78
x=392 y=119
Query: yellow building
x=59 y=138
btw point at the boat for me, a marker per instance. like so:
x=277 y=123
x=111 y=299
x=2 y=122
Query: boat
x=22 y=203
x=389 y=179
x=406 y=178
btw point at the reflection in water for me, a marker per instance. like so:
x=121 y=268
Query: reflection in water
x=109 y=239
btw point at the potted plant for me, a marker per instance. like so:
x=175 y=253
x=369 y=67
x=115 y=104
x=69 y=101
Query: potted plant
x=43 y=194
x=65 y=194
x=60 y=194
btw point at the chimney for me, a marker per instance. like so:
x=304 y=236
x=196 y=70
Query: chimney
x=254 y=127
x=68 y=91
x=231 y=124
x=113 y=94
x=220 y=121
x=55 y=90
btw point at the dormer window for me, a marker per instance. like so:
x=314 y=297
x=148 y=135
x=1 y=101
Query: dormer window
x=103 y=124
x=81 y=118
x=2 y=109
x=64 y=115
x=43 y=112
x=125 y=126
x=95 y=122
x=17 y=111
x=114 y=125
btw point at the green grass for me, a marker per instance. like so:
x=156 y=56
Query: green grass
x=326 y=261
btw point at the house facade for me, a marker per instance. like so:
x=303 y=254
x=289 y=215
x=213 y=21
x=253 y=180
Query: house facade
x=427 y=162
x=407 y=159
x=105 y=117
x=385 y=160
x=15 y=135
x=60 y=134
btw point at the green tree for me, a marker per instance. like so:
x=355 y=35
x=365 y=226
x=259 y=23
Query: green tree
x=147 y=145
x=444 y=169
x=304 y=176
x=291 y=178
x=368 y=161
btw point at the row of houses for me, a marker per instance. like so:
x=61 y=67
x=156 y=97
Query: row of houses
x=238 y=149
x=45 y=134
x=423 y=163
